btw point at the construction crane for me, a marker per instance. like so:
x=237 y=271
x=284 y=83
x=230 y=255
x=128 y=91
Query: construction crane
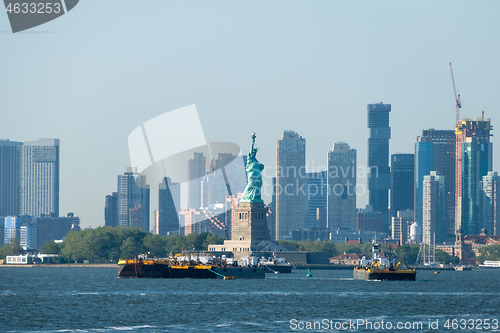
x=458 y=104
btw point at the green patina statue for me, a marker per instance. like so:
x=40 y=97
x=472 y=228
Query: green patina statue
x=254 y=176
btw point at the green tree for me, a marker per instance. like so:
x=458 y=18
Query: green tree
x=130 y=248
x=407 y=254
x=210 y=238
x=155 y=245
x=446 y=258
x=73 y=246
x=11 y=249
x=50 y=247
x=290 y=243
x=491 y=252
x=109 y=243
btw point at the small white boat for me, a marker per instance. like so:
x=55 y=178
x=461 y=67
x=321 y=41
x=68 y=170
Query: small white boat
x=490 y=264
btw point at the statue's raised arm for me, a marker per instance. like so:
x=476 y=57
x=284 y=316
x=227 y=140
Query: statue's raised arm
x=254 y=176
x=253 y=151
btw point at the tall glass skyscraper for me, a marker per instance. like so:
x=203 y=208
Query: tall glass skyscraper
x=169 y=197
x=434 y=224
x=111 y=210
x=341 y=212
x=133 y=200
x=196 y=172
x=316 y=191
x=435 y=151
x=9 y=177
x=490 y=190
x=402 y=178
x=39 y=179
x=379 y=175
x=473 y=161
x=290 y=178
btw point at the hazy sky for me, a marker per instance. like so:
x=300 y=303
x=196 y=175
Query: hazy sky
x=93 y=75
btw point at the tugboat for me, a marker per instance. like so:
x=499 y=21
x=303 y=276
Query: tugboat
x=196 y=267
x=382 y=268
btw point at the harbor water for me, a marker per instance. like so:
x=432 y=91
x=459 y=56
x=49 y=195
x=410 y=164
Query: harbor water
x=46 y=299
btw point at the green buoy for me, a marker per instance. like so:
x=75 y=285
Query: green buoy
x=309 y=274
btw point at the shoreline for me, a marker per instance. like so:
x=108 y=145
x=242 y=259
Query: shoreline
x=65 y=265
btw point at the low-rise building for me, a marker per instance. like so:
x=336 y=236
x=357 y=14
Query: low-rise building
x=350 y=259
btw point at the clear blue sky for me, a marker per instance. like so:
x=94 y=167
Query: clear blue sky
x=93 y=75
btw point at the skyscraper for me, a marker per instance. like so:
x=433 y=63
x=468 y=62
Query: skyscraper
x=271 y=216
x=55 y=227
x=169 y=197
x=316 y=194
x=196 y=172
x=401 y=224
x=133 y=200
x=22 y=230
x=434 y=226
x=368 y=220
x=473 y=161
x=111 y=210
x=290 y=178
x=435 y=151
x=402 y=179
x=490 y=189
x=379 y=176
x=227 y=170
x=9 y=177
x=341 y=197
x=39 y=181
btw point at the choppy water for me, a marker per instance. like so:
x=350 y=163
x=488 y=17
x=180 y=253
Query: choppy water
x=95 y=300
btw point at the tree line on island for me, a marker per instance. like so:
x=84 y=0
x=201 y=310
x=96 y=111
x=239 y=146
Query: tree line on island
x=105 y=244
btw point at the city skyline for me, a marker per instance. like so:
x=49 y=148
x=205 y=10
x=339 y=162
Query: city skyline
x=469 y=126
x=323 y=62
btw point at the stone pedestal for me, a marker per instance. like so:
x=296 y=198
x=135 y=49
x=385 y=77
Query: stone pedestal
x=249 y=228
x=250 y=223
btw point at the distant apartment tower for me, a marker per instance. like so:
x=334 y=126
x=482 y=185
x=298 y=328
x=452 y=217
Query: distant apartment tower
x=401 y=224
x=198 y=221
x=379 y=176
x=434 y=225
x=368 y=220
x=196 y=172
x=137 y=218
x=290 y=178
x=213 y=190
x=55 y=228
x=271 y=215
x=316 y=196
x=156 y=222
x=490 y=190
x=9 y=177
x=226 y=175
x=111 y=210
x=169 y=197
x=473 y=161
x=22 y=230
x=39 y=179
x=435 y=151
x=133 y=200
x=341 y=211
x=402 y=179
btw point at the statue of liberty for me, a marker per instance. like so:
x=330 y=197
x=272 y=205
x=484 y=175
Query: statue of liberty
x=254 y=176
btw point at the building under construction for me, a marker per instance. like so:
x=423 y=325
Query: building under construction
x=474 y=153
